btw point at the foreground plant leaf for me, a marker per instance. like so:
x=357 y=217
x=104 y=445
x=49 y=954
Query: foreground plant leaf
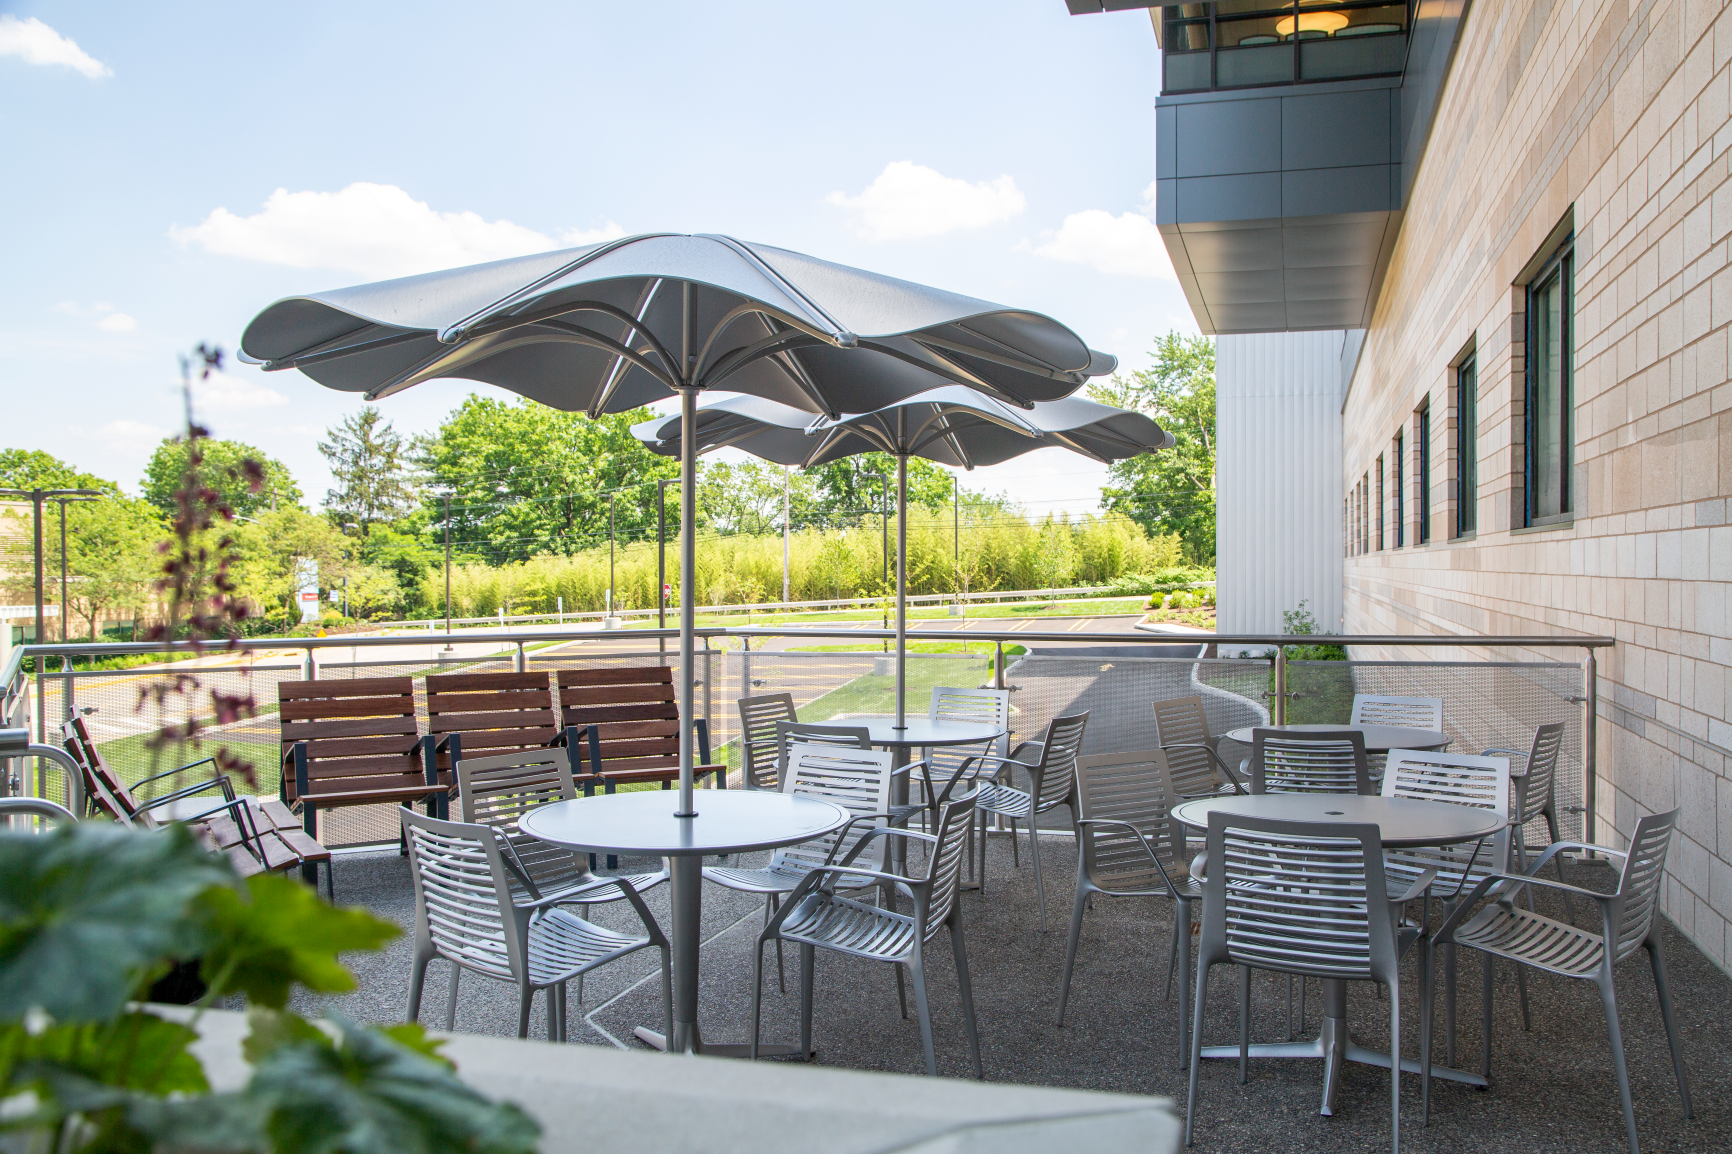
x=278 y=933
x=371 y=1094
x=89 y=908
x=137 y=1051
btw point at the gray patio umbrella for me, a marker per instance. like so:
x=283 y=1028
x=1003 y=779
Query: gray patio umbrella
x=952 y=424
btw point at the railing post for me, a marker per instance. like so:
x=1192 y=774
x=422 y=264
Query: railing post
x=1590 y=758
x=998 y=660
x=68 y=690
x=745 y=666
x=1280 y=710
x=518 y=662
x=709 y=679
x=310 y=667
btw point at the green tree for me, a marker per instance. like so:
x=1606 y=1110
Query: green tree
x=370 y=463
x=1172 y=491
x=111 y=557
x=747 y=496
x=527 y=479
x=222 y=466
x=271 y=548
x=844 y=491
x=35 y=469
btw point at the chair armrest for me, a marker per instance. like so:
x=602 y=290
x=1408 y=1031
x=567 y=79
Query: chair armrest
x=1558 y=847
x=1497 y=750
x=181 y=794
x=1221 y=765
x=1141 y=840
x=172 y=772
x=1507 y=886
x=842 y=832
x=1417 y=889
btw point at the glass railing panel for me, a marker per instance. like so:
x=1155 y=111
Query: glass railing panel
x=1262 y=64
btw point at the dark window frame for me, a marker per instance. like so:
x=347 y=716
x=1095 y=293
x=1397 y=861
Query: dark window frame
x=1400 y=487
x=1422 y=433
x=1467 y=445
x=1381 y=518
x=1561 y=266
x=1294 y=8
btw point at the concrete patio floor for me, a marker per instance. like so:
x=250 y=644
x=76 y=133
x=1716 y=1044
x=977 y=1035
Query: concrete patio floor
x=1552 y=1088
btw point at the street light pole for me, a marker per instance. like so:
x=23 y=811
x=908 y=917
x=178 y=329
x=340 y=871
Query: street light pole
x=37 y=496
x=662 y=558
x=63 y=502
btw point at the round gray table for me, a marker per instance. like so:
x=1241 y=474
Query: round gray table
x=1403 y=823
x=919 y=733
x=1378 y=738
x=643 y=824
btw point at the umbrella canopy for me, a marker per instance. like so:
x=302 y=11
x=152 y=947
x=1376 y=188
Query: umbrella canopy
x=609 y=327
x=952 y=425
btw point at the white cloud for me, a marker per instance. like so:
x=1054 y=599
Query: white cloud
x=908 y=201
x=130 y=435
x=578 y=237
x=373 y=230
x=222 y=393
x=36 y=43
x=1125 y=245
x=107 y=319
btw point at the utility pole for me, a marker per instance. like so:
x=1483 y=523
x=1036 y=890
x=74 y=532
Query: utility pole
x=787 y=484
x=37 y=496
x=63 y=502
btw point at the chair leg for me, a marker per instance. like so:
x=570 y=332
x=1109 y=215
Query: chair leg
x=967 y=991
x=1449 y=1002
x=1172 y=958
x=757 y=998
x=451 y=997
x=1015 y=854
x=667 y=991
x=917 y=971
x=1197 y=1003
x=1182 y=935
x=555 y=1023
x=1244 y=1024
x=1289 y=1022
x=1522 y=991
x=1672 y=1039
x=417 y=979
x=330 y=881
x=1076 y=920
x=1427 y=1000
x=771 y=902
x=1034 y=852
x=901 y=991
x=1609 y=1000
x=525 y=997
x=808 y=959
x=1485 y=1017
x=1395 y=1065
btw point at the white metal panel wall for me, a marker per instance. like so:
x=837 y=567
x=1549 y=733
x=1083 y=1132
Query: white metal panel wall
x=1279 y=486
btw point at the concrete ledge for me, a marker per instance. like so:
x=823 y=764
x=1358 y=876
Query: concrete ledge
x=591 y=1098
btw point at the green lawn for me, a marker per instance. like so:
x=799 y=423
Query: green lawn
x=1016 y=609
x=963 y=647
x=870 y=693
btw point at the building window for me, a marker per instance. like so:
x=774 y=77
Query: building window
x=1365 y=514
x=1380 y=515
x=1466 y=447
x=1550 y=354
x=1245 y=43
x=1423 y=432
x=1400 y=509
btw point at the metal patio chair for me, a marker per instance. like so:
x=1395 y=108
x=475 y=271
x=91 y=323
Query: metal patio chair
x=1300 y=898
x=1322 y=761
x=850 y=774
x=465 y=913
x=1458 y=779
x=1051 y=767
x=1535 y=789
x=1406 y=712
x=814 y=918
x=1128 y=845
x=1194 y=762
x=760 y=752
x=947 y=766
x=1627 y=923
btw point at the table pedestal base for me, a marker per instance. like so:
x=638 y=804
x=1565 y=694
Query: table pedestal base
x=688 y=1042
x=1334 y=1045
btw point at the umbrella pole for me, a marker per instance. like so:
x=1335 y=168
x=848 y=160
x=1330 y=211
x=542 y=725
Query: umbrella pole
x=901 y=587
x=688 y=585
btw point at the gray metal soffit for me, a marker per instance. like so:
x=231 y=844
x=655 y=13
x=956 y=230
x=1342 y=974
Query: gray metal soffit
x=609 y=327
x=952 y=425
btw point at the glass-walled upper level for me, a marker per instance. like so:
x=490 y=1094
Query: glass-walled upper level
x=1245 y=43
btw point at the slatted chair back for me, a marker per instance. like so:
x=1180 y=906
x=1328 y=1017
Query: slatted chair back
x=1535 y=787
x=1133 y=788
x=1407 y=712
x=1458 y=779
x=1058 y=757
x=1182 y=732
x=944 y=866
x=978 y=706
x=760 y=752
x=483 y=714
x=629 y=719
x=855 y=778
x=818 y=733
x=351 y=742
x=497 y=791
x=1326 y=761
x=463 y=904
x=1300 y=897
x=103 y=789
x=1632 y=916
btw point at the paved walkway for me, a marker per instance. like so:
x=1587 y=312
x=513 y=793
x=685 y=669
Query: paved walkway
x=1552 y=1088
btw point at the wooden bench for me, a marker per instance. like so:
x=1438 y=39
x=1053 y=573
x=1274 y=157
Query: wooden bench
x=486 y=714
x=255 y=834
x=353 y=742
x=628 y=724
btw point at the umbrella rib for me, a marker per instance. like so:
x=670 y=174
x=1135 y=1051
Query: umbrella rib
x=933 y=344
x=580 y=335
x=962 y=373
x=838 y=334
x=752 y=308
x=452 y=333
x=1012 y=356
x=733 y=361
x=334 y=348
x=617 y=371
x=554 y=312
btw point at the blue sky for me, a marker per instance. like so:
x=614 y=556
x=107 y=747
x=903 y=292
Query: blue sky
x=174 y=168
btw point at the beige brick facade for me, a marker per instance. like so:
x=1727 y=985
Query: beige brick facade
x=1611 y=119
